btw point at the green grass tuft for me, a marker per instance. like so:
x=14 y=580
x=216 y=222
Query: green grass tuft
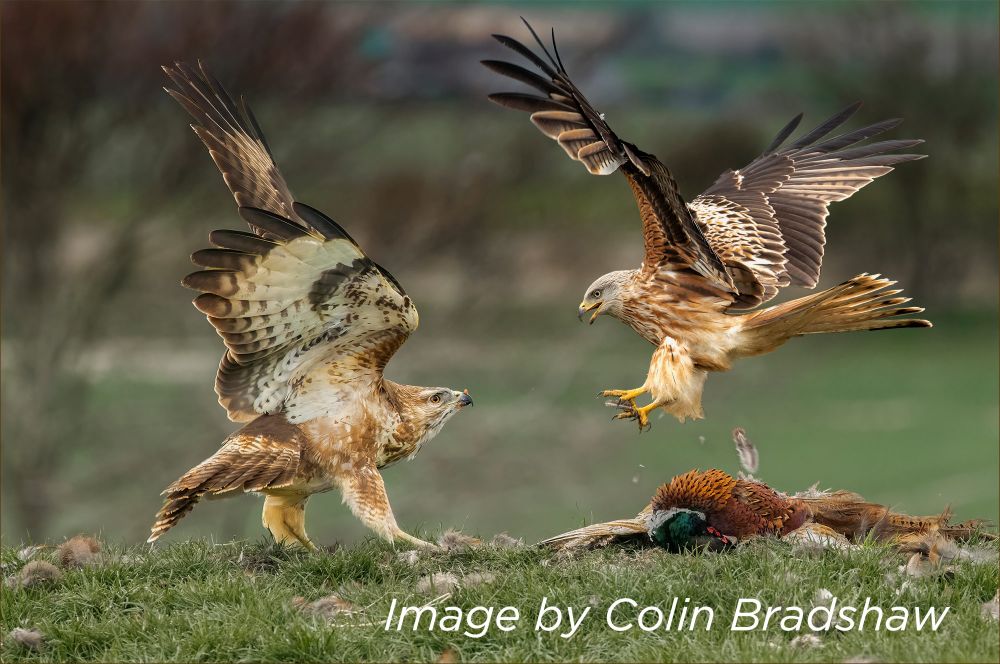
x=196 y=601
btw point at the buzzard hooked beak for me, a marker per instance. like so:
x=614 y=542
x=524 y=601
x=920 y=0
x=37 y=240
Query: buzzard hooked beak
x=464 y=399
x=584 y=309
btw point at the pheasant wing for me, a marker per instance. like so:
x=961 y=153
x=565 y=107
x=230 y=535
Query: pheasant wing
x=777 y=514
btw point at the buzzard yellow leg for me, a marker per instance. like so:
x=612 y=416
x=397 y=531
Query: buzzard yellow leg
x=285 y=517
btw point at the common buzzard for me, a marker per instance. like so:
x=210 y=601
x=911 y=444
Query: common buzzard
x=309 y=323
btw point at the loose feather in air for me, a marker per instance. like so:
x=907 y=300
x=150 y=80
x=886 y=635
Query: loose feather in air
x=747 y=451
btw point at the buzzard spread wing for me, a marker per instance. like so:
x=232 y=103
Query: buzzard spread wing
x=285 y=304
x=766 y=221
x=234 y=140
x=671 y=236
x=296 y=293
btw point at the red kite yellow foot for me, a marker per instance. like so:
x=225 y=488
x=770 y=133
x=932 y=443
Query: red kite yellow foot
x=625 y=396
x=631 y=412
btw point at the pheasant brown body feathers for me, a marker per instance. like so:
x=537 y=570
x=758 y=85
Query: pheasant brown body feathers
x=736 y=507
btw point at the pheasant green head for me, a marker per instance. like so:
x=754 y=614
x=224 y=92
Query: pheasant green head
x=681 y=528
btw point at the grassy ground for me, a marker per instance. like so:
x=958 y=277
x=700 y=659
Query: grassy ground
x=201 y=602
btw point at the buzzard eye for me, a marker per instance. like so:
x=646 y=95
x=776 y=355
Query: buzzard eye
x=436 y=398
x=595 y=294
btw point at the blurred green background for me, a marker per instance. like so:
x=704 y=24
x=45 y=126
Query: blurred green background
x=377 y=115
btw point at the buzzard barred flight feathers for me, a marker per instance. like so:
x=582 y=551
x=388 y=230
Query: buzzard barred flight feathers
x=754 y=231
x=309 y=323
x=287 y=303
x=273 y=295
x=234 y=140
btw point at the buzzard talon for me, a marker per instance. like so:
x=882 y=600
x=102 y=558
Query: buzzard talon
x=405 y=539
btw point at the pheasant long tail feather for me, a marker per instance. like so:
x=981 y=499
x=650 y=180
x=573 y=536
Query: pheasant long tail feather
x=598 y=534
x=860 y=303
x=850 y=515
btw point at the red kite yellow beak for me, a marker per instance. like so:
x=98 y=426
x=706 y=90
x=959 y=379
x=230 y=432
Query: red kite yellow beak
x=584 y=309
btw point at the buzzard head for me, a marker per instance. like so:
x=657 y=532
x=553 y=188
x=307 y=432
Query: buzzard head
x=428 y=408
x=604 y=296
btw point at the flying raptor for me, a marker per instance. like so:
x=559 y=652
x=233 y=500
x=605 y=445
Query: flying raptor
x=309 y=323
x=754 y=231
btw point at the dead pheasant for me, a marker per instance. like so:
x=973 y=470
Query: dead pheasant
x=714 y=508
x=695 y=508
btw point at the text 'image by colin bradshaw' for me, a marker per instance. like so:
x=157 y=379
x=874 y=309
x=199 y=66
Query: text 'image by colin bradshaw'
x=521 y=331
